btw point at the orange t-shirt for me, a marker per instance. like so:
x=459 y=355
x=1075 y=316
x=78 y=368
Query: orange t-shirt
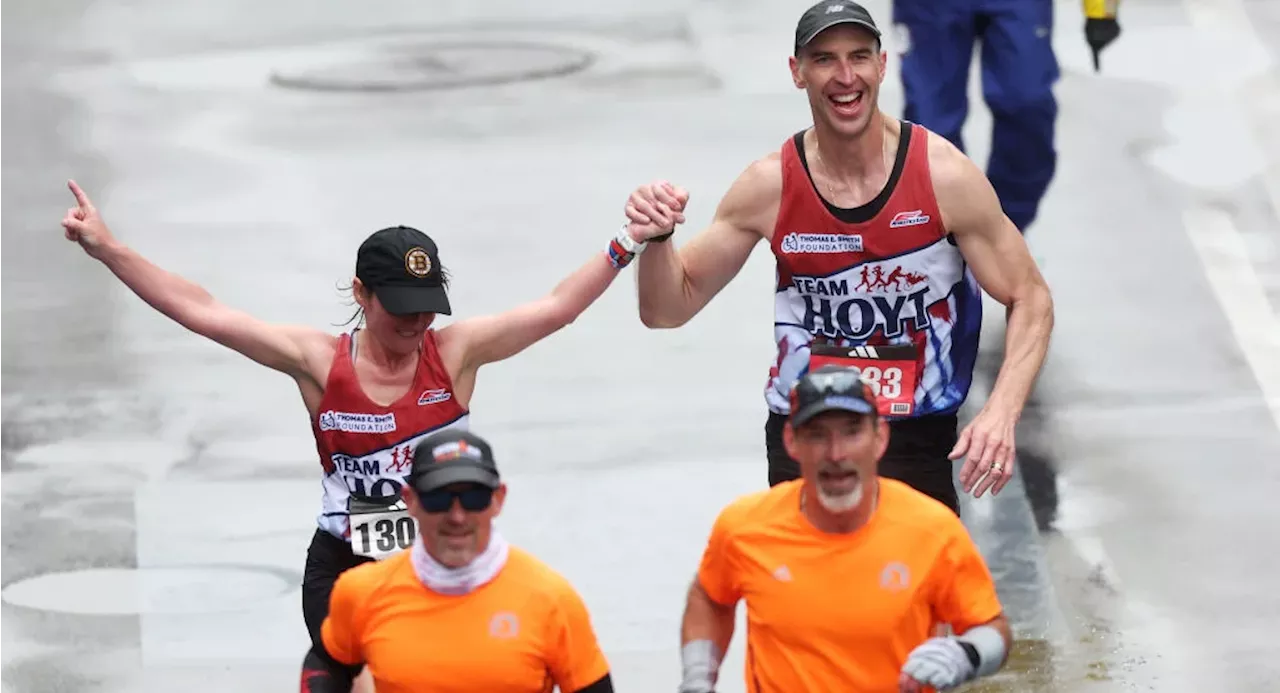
x=524 y=632
x=841 y=612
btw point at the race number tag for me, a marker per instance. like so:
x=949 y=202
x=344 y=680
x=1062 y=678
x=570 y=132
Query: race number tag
x=890 y=372
x=380 y=529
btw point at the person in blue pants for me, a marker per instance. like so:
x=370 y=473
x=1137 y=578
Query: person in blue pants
x=1019 y=70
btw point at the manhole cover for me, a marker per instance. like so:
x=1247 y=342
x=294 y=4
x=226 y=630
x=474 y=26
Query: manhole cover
x=128 y=591
x=426 y=65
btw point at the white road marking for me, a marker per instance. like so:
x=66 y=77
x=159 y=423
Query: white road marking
x=1225 y=258
x=1250 y=93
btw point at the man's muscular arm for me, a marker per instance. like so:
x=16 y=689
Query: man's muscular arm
x=674 y=285
x=1002 y=264
x=998 y=255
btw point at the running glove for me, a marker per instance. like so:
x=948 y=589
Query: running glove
x=1100 y=26
x=940 y=663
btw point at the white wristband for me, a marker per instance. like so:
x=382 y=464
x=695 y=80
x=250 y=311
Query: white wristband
x=630 y=244
x=700 y=660
x=990 y=646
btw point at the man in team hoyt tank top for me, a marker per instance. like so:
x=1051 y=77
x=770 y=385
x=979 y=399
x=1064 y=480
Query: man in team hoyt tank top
x=885 y=236
x=372 y=394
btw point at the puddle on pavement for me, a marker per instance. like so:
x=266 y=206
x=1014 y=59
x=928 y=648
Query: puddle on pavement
x=1064 y=641
x=1038 y=666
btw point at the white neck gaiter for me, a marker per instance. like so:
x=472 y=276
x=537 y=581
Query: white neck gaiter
x=445 y=580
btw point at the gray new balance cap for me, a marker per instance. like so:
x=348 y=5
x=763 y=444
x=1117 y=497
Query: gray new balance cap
x=829 y=13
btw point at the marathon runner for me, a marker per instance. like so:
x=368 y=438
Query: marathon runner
x=462 y=610
x=885 y=236
x=371 y=394
x=845 y=574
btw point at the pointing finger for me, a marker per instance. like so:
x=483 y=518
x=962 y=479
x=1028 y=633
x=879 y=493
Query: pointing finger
x=81 y=198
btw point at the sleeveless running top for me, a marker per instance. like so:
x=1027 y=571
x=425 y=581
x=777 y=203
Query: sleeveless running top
x=885 y=273
x=366 y=448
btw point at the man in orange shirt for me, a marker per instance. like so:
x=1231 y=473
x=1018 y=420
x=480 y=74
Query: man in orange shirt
x=461 y=610
x=846 y=574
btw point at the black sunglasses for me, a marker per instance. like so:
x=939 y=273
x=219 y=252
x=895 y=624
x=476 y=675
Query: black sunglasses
x=473 y=499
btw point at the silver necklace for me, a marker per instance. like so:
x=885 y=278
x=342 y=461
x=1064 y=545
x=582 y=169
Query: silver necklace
x=817 y=149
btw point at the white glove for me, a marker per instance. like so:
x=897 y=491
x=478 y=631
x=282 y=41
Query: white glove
x=940 y=663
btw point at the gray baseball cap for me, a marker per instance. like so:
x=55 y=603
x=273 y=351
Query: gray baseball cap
x=453 y=456
x=830 y=388
x=829 y=13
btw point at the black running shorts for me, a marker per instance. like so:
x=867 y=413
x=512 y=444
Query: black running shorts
x=327 y=557
x=916 y=456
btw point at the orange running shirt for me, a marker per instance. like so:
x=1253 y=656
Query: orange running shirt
x=525 y=632
x=833 y=612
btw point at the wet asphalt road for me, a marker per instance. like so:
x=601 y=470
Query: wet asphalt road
x=128 y=443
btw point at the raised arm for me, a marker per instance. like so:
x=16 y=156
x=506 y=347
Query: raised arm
x=280 y=347
x=473 y=342
x=1001 y=262
x=675 y=285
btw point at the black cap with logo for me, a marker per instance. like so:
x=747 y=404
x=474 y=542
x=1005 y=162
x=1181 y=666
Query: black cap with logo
x=453 y=456
x=402 y=267
x=830 y=388
x=825 y=15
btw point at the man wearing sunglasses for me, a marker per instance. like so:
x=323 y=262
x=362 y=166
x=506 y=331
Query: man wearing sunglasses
x=462 y=609
x=846 y=574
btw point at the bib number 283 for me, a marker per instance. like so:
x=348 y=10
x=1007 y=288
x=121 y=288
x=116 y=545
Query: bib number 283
x=889 y=371
x=380 y=530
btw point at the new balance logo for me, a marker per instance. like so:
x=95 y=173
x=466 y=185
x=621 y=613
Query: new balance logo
x=832 y=9
x=913 y=218
x=434 y=396
x=782 y=574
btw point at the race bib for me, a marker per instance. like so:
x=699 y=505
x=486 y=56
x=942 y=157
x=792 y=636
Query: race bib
x=380 y=529
x=889 y=371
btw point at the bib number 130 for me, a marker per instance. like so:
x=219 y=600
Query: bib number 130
x=379 y=531
x=890 y=372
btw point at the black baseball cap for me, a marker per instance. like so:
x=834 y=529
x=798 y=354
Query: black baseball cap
x=453 y=457
x=830 y=388
x=829 y=13
x=402 y=266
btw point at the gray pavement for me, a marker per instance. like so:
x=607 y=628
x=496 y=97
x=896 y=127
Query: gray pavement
x=159 y=491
